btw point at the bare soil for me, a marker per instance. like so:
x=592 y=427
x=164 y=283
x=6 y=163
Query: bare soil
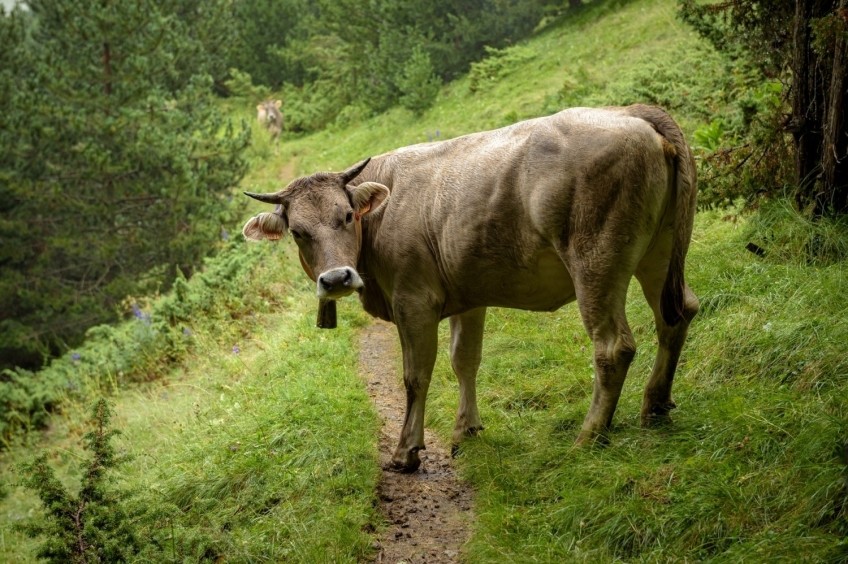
x=428 y=512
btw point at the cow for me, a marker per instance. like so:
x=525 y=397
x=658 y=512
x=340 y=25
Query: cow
x=530 y=216
x=269 y=115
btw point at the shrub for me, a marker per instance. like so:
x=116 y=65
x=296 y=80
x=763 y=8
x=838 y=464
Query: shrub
x=140 y=349
x=418 y=82
x=90 y=525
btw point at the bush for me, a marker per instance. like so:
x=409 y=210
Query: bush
x=140 y=349
x=418 y=82
x=90 y=525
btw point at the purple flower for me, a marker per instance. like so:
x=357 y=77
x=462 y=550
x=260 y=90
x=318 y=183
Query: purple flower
x=186 y=331
x=236 y=349
x=140 y=315
x=225 y=235
x=76 y=356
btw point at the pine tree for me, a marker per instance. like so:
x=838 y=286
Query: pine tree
x=116 y=165
x=91 y=525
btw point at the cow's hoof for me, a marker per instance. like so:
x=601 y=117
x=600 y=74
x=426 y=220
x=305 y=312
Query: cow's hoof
x=405 y=461
x=592 y=438
x=461 y=433
x=657 y=414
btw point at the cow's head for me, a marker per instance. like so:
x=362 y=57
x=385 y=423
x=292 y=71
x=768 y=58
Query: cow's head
x=323 y=213
x=265 y=112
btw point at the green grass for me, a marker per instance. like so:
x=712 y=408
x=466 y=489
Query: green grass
x=264 y=455
x=749 y=469
x=270 y=454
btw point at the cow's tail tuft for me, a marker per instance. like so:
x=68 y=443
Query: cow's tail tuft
x=683 y=201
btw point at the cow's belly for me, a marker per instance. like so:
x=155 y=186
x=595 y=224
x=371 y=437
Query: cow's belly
x=539 y=284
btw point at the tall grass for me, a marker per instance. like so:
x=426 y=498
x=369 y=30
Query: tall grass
x=752 y=467
x=259 y=445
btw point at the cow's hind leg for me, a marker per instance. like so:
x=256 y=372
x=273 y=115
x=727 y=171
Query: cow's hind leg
x=466 y=349
x=419 y=340
x=601 y=298
x=657 y=401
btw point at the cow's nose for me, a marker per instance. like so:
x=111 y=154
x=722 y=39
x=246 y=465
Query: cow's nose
x=338 y=282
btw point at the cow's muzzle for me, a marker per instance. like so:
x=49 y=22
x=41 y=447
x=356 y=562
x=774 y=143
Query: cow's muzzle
x=338 y=282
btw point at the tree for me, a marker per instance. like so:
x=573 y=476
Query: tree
x=268 y=33
x=116 y=166
x=92 y=524
x=808 y=41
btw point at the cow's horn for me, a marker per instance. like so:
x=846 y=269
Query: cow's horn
x=354 y=171
x=275 y=198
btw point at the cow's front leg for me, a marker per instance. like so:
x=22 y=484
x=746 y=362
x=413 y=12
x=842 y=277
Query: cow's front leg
x=418 y=340
x=466 y=348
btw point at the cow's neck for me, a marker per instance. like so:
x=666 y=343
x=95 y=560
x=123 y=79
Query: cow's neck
x=373 y=298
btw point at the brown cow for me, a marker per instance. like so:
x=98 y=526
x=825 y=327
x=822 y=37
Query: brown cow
x=531 y=216
x=268 y=113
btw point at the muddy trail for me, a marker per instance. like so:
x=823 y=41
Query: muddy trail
x=429 y=511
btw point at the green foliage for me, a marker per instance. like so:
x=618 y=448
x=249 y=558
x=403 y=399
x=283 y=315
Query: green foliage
x=117 y=165
x=90 y=525
x=339 y=53
x=417 y=83
x=268 y=34
x=141 y=349
x=789 y=237
x=803 y=45
x=240 y=84
x=238 y=453
x=498 y=64
x=709 y=136
x=260 y=468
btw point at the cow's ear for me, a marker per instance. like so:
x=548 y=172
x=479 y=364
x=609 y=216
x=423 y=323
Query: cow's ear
x=278 y=104
x=267 y=225
x=258 y=107
x=368 y=196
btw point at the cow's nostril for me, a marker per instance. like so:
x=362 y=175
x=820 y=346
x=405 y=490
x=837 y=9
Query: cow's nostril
x=325 y=283
x=347 y=278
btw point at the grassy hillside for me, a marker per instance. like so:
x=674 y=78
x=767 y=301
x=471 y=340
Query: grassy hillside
x=256 y=441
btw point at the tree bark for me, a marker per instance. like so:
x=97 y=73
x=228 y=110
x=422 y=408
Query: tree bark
x=818 y=124
x=835 y=132
x=807 y=103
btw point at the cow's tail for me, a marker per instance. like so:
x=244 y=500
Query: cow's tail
x=683 y=201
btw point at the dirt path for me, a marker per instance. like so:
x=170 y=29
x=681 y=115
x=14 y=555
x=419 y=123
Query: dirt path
x=429 y=511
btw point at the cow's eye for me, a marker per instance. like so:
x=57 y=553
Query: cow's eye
x=349 y=217
x=296 y=234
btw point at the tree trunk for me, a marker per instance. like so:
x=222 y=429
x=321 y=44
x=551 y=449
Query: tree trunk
x=806 y=107
x=835 y=130
x=818 y=124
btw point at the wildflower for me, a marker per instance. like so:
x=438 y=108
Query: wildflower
x=139 y=314
x=186 y=331
x=236 y=349
x=76 y=356
x=225 y=235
